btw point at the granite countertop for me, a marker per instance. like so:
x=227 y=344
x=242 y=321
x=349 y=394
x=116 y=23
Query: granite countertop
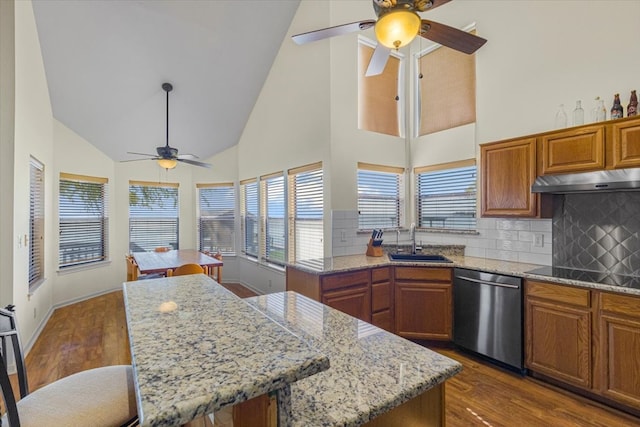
x=196 y=348
x=372 y=371
x=356 y=262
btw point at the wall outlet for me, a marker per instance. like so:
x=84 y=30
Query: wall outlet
x=538 y=240
x=343 y=236
x=270 y=284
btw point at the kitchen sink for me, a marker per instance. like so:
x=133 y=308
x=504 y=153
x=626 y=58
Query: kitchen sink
x=418 y=258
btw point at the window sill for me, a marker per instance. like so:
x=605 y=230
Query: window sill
x=83 y=267
x=447 y=231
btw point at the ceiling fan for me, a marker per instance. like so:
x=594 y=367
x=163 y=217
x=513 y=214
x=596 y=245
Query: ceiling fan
x=168 y=157
x=397 y=25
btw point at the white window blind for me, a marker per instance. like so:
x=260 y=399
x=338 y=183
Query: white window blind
x=36 y=222
x=249 y=213
x=216 y=218
x=306 y=228
x=273 y=211
x=379 y=196
x=83 y=220
x=153 y=216
x=446 y=196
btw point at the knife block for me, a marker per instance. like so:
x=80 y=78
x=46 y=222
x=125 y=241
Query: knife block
x=373 y=250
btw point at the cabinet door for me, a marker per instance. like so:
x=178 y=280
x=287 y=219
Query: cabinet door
x=625 y=141
x=508 y=170
x=558 y=341
x=619 y=324
x=423 y=310
x=575 y=150
x=355 y=301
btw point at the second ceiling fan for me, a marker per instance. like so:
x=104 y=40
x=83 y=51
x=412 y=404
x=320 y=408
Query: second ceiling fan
x=397 y=25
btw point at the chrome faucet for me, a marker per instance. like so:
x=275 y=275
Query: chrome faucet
x=412 y=236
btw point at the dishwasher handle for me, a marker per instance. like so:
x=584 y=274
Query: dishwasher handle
x=484 y=282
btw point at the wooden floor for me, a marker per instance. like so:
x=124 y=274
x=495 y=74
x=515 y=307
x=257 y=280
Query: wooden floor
x=93 y=333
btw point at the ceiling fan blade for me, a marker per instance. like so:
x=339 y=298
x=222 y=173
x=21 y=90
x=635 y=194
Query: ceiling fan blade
x=193 y=162
x=187 y=156
x=142 y=154
x=378 y=60
x=435 y=3
x=451 y=37
x=338 y=30
x=138 y=160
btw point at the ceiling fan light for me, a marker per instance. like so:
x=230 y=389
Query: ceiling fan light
x=167 y=163
x=397 y=28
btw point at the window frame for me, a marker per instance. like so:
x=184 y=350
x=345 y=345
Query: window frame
x=267 y=183
x=167 y=185
x=222 y=211
x=71 y=208
x=378 y=175
x=446 y=167
x=295 y=183
x=36 y=270
x=244 y=216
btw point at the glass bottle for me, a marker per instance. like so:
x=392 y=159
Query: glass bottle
x=616 y=110
x=601 y=111
x=632 y=108
x=594 y=111
x=578 y=114
x=561 y=117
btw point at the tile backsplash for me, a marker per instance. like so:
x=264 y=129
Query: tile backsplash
x=597 y=231
x=496 y=238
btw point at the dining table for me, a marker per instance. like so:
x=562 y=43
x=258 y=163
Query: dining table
x=161 y=262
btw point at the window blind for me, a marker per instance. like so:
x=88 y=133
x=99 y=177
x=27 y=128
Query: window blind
x=306 y=229
x=83 y=220
x=216 y=218
x=447 y=197
x=36 y=222
x=379 y=196
x=273 y=211
x=249 y=213
x=153 y=216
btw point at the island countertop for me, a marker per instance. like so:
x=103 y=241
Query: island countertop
x=196 y=348
x=372 y=371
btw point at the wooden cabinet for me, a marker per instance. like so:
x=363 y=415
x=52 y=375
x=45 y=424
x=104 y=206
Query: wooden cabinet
x=423 y=307
x=382 y=298
x=574 y=150
x=508 y=170
x=558 y=332
x=625 y=143
x=619 y=348
x=348 y=292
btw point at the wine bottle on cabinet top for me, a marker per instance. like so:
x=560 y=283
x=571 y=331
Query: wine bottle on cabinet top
x=632 y=108
x=616 y=110
x=561 y=117
x=578 y=114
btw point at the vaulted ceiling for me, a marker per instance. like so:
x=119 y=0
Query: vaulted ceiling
x=105 y=62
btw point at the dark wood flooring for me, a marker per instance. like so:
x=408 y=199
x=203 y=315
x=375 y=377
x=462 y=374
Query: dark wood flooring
x=93 y=333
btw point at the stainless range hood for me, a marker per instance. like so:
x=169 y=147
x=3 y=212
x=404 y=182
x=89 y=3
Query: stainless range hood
x=608 y=180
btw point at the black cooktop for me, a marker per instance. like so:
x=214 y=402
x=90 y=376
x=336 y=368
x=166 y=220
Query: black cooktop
x=606 y=278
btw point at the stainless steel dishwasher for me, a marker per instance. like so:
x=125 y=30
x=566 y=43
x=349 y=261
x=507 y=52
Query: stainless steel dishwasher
x=487 y=315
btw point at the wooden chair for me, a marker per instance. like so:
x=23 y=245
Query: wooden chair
x=215 y=272
x=132 y=268
x=187 y=269
x=162 y=249
x=96 y=397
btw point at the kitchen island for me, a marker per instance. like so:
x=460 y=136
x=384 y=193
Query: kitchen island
x=197 y=348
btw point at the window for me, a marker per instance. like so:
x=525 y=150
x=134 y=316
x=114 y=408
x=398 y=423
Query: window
x=249 y=216
x=153 y=215
x=447 y=93
x=379 y=196
x=447 y=196
x=379 y=107
x=36 y=223
x=83 y=220
x=273 y=211
x=306 y=227
x=216 y=218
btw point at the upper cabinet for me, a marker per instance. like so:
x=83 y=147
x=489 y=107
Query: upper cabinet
x=574 y=150
x=509 y=168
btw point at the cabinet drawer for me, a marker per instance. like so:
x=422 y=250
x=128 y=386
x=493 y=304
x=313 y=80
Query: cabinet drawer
x=343 y=280
x=623 y=304
x=423 y=274
x=564 y=294
x=380 y=296
x=380 y=274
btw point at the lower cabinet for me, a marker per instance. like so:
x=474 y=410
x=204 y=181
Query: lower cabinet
x=348 y=292
x=382 y=298
x=619 y=349
x=558 y=332
x=423 y=307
